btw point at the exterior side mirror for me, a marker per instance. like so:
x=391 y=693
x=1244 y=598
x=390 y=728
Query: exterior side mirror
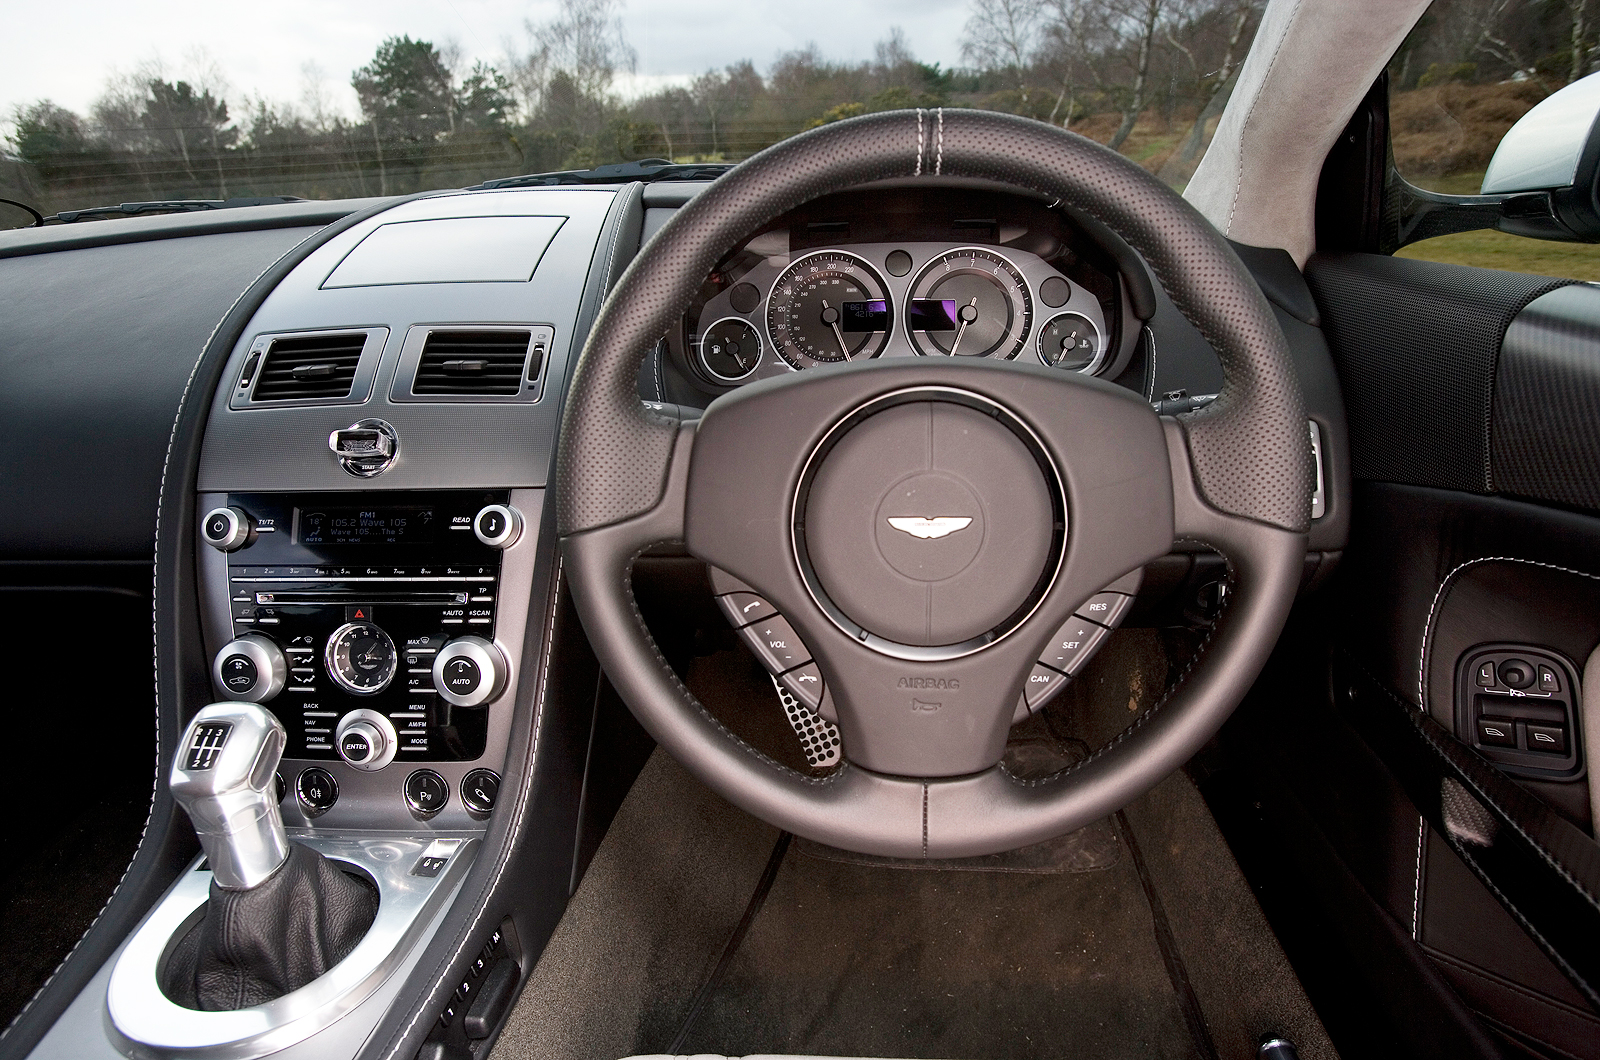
x=1554 y=149
x=1543 y=181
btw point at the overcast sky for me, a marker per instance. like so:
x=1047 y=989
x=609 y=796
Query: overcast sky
x=263 y=50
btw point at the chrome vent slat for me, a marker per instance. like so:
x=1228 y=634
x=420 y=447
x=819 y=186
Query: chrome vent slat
x=472 y=363
x=317 y=366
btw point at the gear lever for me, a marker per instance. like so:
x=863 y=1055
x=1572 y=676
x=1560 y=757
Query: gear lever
x=223 y=778
x=280 y=915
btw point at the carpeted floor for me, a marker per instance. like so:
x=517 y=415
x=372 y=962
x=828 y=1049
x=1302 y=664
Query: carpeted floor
x=1049 y=953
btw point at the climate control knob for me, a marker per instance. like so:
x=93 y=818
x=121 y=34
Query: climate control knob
x=366 y=739
x=469 y=672
x=227 y=529
x=251 y=669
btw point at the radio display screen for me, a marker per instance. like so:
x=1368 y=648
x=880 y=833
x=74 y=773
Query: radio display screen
x=365 y=526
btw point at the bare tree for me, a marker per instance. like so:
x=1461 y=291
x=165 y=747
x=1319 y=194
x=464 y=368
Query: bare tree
x=1136 y=23
x=1217 y=85
x=1002 y=34
x=584 y=48
x=1578 y=11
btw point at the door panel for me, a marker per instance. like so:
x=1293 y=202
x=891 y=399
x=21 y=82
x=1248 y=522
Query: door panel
x=1470 y=395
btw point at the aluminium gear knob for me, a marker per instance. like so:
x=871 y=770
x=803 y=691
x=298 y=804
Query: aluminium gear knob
x=223 y=778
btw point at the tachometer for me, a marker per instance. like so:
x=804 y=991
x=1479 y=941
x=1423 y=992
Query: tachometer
x=969 y=303
x=826 y=307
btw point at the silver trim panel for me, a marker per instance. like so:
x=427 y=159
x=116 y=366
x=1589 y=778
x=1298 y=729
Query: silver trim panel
x=143 y=1022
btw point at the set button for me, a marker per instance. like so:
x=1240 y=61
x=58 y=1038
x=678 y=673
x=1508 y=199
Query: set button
x=1071 y=648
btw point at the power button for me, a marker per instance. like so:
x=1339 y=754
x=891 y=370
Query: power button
x=497 y=525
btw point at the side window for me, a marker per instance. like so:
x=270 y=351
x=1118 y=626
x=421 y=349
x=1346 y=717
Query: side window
x=1467 y=72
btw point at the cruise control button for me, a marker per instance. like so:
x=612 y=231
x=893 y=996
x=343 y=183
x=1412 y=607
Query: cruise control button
x=1105 y=608
x=1043 y=683
x=1497 y=732
x=776 y=644
x=1073 y=644
x=1550 y=739
x=805 y=682
x=745 y=608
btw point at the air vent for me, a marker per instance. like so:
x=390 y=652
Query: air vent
x=314 y=366
x=472 y=363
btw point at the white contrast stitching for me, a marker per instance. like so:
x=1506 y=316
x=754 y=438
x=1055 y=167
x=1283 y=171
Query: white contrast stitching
x=1238 y=187
x=1427 y=627
x=918 y=171
x=155 y=666
x=938 y=162
x=1416 y=891
x=519 y=807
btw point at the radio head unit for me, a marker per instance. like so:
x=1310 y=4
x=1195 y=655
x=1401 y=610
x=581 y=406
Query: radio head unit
x=371 y=606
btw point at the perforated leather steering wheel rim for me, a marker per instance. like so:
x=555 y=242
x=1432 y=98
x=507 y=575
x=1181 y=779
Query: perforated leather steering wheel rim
x=1238 y=473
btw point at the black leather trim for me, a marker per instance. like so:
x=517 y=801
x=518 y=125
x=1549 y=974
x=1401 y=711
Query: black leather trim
x=1542 y=868
x=181 y=669
x=22 y=242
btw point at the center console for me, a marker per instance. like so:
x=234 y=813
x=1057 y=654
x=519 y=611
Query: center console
x=380 y=628
x=368 y=489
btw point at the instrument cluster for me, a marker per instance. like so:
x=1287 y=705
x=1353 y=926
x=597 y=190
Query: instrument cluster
x=769 y=310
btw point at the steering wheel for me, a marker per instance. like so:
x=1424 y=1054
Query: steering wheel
x=1060 y=485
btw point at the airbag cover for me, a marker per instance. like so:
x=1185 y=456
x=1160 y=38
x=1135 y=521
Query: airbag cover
x=929 y=523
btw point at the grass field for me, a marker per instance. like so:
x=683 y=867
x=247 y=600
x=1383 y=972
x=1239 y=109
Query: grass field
x=1496 y=250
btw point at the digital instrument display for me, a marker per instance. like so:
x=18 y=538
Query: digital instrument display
x=365 y=526
x=865 y=316
x=932 y=314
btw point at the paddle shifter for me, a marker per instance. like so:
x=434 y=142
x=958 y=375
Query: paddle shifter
x=223 y=779
x=279 y=913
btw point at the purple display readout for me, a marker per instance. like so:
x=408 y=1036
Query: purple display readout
x=932 y=314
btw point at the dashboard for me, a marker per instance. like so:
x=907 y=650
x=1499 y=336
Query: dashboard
x=359 y=468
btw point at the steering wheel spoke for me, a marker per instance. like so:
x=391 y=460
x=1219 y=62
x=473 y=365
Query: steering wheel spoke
x=927 y=528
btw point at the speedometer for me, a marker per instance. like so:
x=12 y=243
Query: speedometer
x=826 y=307
x=969 y=303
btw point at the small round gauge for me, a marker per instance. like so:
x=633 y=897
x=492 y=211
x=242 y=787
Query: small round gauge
x=730 y=349
x=827 y=307
x=969 y=303
x=361 y=658
x=1071 y=341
